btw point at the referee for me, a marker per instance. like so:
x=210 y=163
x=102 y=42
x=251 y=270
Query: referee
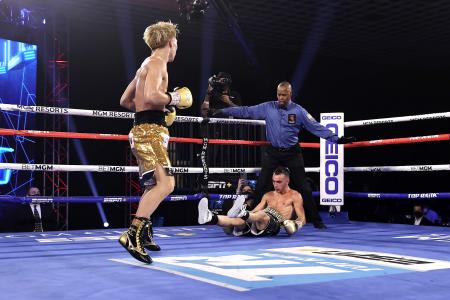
x=284 y=120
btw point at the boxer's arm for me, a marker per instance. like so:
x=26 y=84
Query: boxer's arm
x=154 y=91
x=127 y=99
x=299 y=211
x=261 y=204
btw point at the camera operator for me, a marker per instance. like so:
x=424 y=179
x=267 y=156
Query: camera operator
x=219 y=95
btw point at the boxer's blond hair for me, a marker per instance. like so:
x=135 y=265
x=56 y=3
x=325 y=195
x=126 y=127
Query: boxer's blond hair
x=159 y=34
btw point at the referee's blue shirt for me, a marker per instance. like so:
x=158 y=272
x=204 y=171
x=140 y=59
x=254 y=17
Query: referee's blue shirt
x=282 y=124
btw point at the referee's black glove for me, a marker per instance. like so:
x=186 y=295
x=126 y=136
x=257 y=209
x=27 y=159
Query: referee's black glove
x=346 y=140
x=216 y=113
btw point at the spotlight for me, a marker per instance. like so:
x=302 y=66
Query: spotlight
x=192 y=8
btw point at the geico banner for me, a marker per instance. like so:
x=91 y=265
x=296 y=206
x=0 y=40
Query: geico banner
x=332 y=162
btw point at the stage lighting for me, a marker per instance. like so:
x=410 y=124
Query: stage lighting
x=192 y=9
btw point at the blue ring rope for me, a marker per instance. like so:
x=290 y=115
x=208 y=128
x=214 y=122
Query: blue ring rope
x=125 y=199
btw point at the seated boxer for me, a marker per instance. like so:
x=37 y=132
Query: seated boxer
x=276 y=209
x=147 y=96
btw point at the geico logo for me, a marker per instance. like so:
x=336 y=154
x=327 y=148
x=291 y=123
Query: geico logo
x=331 y=181
x=332 y=200
x=331 y=163
x=331 y=117
x=331 y=148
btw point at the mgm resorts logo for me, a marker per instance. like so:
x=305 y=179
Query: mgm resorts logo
x=219 y=185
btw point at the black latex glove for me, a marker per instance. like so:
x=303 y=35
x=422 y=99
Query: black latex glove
x=346 y=140
x=216 y=113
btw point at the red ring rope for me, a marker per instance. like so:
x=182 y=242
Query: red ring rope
x=119 y=137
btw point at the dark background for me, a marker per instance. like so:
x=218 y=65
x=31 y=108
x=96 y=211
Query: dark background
x=369 y=59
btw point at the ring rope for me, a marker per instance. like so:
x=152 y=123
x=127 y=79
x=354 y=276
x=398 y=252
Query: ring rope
x=198 y=196
x=116 y=169
x=117 y=114
x=397 y=119
x=129 y=115
x=187 y=170
x=412 y=196
x=119 y=137
x=397 y=141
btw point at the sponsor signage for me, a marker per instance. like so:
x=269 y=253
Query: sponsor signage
x=43 y=109
x=217 y=185
x=41 y=167
x=234 y=170
x=438 y=237
x=179 y=170
x=112 y=114
x=111 y=169
x=253 y=269
x=332 y=162
x=186 y=119
x=94 y=235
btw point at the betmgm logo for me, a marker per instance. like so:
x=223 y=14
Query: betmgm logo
x=39 y=167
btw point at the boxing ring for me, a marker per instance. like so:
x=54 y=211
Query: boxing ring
x=347 y=261
x=351 y=260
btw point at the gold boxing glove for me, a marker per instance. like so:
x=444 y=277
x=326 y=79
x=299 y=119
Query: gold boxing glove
x=291 y=227
x=171 y=114
x=181 y=98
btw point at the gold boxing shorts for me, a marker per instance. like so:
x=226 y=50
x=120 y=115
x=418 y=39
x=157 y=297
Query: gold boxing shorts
x=149 y=144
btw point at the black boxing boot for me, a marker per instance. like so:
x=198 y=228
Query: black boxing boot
x=149 y=243
x=132 y=240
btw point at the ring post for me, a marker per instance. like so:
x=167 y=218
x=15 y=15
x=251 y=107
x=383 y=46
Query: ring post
x=332 y=168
